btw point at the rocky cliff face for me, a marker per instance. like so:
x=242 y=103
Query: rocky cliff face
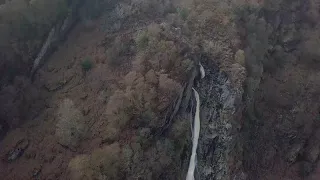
x=219 y=153
x=221 y=109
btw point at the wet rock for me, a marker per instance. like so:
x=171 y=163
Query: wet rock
x=220 y=98
x=18 y=150
x=294 y=152
x=188 y=90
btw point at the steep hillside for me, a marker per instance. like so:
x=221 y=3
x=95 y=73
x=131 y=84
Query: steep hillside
x=113 y=101
x=280 y=42
x=103 y=89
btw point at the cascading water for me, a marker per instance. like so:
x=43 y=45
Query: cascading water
x=202 y=72
x=195 y=132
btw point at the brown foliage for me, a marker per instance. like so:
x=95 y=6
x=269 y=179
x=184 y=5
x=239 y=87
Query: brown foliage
x=151 y=77
x=168 y=85
x=105 y=162
x=102 y=163
x=121 y=47
x=162 y=53
x=141 y=100
x=147 y=90
x=77 y=167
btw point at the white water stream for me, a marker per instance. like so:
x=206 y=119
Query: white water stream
x=203 y=74
x=195 y=132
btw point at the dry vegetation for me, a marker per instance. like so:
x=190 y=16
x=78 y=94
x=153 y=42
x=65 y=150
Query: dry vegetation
x=152 y=42
x=160 y=65
x=103 y=163
x=140 y=105
x=71 y=124
x=157 y=58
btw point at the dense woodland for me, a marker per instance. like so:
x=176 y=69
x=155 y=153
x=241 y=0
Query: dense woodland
x=137 y=69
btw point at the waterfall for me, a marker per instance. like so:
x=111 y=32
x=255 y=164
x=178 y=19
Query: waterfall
x=203 y=74
x=195 y=132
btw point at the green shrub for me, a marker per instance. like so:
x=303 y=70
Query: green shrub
x=142 y=40
x=183 y=13
x=87 y=64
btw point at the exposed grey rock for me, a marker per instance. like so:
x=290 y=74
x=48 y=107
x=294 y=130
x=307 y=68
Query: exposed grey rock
x=294 y=152
x=220 y=102
x=18 y=150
